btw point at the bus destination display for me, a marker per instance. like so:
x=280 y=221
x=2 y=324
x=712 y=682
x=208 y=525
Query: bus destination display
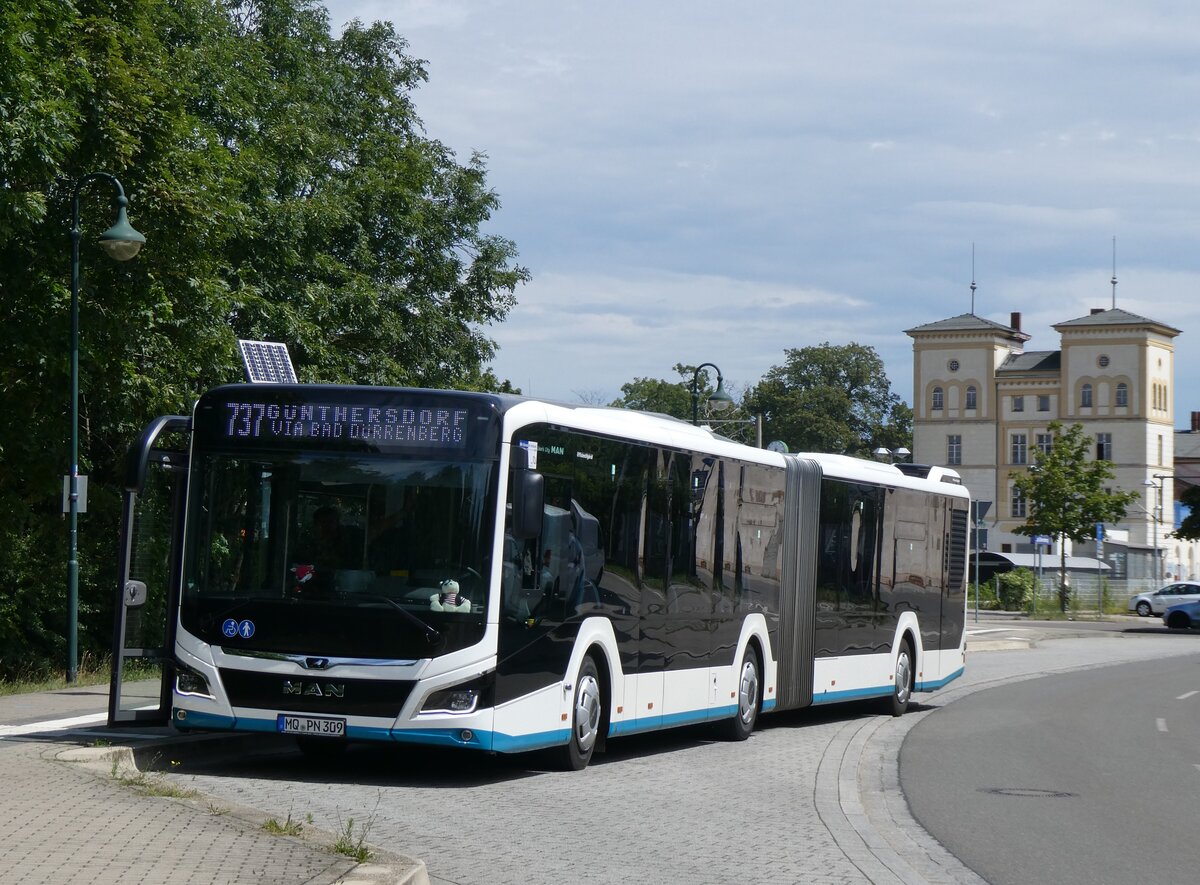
x=438 y=427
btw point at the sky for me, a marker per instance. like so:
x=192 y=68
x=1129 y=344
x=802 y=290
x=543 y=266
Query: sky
x=694 y=182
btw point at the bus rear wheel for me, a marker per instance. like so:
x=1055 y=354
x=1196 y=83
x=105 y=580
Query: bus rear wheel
x=749 y=695
x=902 y=685
x=587 y=713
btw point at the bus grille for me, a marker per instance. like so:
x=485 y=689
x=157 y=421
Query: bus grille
x=316 y=693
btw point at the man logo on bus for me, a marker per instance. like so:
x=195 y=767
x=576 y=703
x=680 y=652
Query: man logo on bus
x=314 y=689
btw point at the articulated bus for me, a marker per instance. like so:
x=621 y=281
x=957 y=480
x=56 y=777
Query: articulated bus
x=505 y=574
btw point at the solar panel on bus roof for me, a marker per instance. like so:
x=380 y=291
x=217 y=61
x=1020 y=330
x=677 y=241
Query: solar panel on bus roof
x=267 y=362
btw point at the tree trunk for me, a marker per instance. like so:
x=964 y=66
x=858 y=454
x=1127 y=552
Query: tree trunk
x=1064 y=585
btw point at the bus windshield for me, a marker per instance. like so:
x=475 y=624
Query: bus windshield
x=336 y=554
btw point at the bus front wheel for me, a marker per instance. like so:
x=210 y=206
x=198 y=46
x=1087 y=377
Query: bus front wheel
x=587 y=712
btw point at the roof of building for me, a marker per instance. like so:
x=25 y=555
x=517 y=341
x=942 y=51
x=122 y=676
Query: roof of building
x=1050 y=562
x=1033 y=361
x=968 y=322
x=1116 y=317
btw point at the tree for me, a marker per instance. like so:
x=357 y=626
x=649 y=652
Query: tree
x=288 y=192
x=674 y=398
x=1189 y=529
x=831 y=398
x=1065 y=494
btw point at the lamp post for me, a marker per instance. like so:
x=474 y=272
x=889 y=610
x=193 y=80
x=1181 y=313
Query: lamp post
x=718 y=401
x=1156 y=518
x=122 y=243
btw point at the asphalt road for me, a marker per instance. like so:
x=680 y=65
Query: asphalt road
x=1086 y=777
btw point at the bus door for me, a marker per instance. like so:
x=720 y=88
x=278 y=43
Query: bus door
x=147 y=592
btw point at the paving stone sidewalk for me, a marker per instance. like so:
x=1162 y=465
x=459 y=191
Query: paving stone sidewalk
x=74 y=808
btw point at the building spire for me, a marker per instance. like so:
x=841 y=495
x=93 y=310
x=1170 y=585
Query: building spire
x=972 y=279
x=1114 y=276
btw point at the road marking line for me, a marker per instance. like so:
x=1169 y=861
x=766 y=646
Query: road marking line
x=52 y=725
x=1186 y=695
x=1161 y=724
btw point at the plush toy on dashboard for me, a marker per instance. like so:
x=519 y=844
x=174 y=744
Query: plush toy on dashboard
x=449 y=599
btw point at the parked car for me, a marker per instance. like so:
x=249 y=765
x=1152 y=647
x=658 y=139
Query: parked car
x=1158 y=601
x=1183 y=616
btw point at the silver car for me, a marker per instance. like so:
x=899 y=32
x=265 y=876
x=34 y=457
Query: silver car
x=1157 y=601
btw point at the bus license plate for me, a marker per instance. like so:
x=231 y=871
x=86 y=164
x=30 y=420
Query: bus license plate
x=322 y=726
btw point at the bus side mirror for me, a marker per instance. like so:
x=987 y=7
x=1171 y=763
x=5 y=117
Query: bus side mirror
x=529 y=496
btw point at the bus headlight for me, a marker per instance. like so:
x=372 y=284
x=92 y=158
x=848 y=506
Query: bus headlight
x=464 y=698
x=189 y=682
x=452 y=700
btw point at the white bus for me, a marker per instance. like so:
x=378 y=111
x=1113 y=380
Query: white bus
x=505 y=574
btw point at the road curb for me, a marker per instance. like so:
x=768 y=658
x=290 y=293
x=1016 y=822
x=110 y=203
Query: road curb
x=998 y=644
x=129 y=763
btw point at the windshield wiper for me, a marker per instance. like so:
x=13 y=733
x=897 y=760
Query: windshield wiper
x=432 y=636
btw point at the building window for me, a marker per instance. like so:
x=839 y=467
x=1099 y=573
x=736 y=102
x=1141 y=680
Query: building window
x=937 y=399
x=971 y=397
x=1019 y=449
x=952 y=365
x=1102 y=361
x=1160 y=448
x=954 y=449
x=1085 y=396
x=1104 y=447
x=1044 y=442
x=1018 y=403
x=1017 y=504
x=1122 y=394
x=1043 y=403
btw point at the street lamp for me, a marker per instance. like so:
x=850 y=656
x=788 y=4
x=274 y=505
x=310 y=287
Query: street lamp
x=893 y=456
x=122 y=243
x=718 y=400
x=1156 y=518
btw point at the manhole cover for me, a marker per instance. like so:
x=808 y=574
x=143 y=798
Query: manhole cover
x=1025 y=793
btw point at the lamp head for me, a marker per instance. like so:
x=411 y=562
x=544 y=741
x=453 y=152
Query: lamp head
x=719 y=401
x=121 y=241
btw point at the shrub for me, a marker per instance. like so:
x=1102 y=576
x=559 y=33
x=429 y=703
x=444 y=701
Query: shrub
x=1016 y=589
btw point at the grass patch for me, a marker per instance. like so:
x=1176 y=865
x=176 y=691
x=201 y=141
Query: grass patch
x=288 y=828
x=354 y=845
x=93 y=670
x=148 y=785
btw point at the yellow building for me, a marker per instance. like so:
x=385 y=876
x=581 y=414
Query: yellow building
x=983 y=403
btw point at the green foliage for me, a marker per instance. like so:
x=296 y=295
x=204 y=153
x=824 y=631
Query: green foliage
x=986 y=594
x=831 y=398
x=1066 y=496
x=1189 y=529
x=1015 y=589
x=674 y=398
x=287 y=192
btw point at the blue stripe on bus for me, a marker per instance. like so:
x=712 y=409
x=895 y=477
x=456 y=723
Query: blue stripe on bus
x=497 y=741
x=833 y=697
x=932 y=686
